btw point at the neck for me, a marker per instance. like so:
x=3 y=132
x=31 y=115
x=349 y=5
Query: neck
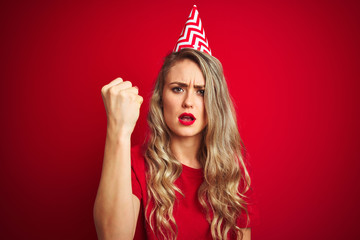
x=186 y=149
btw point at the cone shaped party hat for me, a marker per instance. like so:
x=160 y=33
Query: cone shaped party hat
x=193 y=34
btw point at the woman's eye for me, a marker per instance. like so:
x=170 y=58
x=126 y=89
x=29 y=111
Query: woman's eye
x=201 y=92
x=177 y=89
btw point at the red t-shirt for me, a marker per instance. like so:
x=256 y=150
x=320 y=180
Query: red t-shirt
x=188 y=213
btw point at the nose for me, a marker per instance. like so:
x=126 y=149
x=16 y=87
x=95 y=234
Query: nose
x=188 y=100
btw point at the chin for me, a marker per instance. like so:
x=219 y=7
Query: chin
x=179 y=130
x=186 y=133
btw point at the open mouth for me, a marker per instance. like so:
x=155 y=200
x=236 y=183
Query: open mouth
x=187 y=119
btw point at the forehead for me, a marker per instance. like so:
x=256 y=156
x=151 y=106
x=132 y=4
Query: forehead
x=186 y=71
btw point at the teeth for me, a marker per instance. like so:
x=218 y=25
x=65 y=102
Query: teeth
x=187 y=118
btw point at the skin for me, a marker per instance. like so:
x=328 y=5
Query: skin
x=184 y=92
x=116 y=209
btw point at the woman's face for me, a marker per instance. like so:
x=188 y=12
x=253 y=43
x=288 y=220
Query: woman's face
x=183 y=99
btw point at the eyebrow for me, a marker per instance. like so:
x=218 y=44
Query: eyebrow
x=181 y=84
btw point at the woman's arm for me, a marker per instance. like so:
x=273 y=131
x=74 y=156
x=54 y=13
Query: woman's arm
x=116 y=209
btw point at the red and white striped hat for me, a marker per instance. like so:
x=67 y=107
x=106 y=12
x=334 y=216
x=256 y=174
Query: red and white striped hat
x=193 y=34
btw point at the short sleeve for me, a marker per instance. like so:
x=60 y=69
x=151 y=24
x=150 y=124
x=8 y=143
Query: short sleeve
x=251 y=200
x=136 y=189
x=137 y=162
x=252 y=211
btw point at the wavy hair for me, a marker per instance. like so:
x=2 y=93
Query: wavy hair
x=220 y=156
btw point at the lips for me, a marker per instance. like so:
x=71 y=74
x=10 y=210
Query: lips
x=186 y=119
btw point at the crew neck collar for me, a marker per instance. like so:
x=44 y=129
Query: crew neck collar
x=194 y=172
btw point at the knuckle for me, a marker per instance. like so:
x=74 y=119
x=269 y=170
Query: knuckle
x=112 y=91
x=140 y=99
x=131 y=97
x=122 y=94
x=128 y=83
x=103 y=90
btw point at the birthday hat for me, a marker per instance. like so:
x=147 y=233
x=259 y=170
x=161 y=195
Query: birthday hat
x=193 y=34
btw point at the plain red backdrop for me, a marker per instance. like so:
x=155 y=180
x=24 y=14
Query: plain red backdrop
x=292 y=68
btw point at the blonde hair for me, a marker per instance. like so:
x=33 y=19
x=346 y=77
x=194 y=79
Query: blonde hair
x=219 y=155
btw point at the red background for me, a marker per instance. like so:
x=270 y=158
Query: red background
x=292 y=68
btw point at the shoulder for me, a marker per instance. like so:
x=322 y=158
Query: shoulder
x=246 y=187
x=138 y=175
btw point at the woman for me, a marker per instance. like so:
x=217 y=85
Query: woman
x=190 y=180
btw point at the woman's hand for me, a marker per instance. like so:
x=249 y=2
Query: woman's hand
x=122 y=105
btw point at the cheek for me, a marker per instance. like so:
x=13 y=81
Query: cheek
x=170 y=101
x=201 y=105
x=166 y=103
x=169 y=106
x=205 y=116
x=203 y=109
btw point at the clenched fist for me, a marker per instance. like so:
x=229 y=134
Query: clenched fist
x=122 y=104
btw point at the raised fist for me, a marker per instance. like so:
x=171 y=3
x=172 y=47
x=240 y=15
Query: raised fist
x=122 y=104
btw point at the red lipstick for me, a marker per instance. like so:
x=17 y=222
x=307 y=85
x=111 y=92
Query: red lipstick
x=186 y=119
